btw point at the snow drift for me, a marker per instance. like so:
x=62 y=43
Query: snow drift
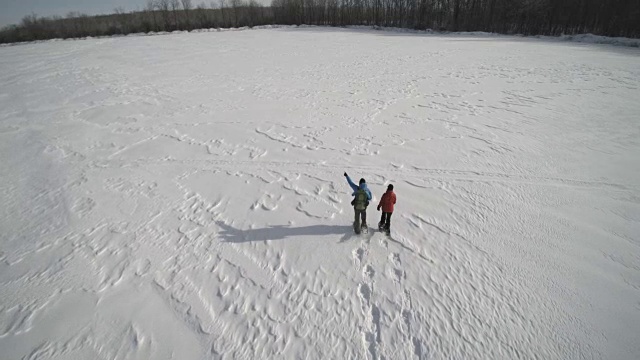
x=182 y=196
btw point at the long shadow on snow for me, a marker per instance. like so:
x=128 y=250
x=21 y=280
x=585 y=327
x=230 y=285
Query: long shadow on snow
x=279 y=232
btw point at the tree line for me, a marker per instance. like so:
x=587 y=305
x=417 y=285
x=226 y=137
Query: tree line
x=157 y=16
x=529 y=17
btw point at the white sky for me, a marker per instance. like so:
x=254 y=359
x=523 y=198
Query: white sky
x=12 y=11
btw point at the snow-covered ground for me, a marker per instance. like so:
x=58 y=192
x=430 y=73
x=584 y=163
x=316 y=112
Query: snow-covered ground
x=182 y=197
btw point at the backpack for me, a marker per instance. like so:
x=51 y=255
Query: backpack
x=361 y=200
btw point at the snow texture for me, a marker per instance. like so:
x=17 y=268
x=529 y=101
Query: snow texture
x=182 y=197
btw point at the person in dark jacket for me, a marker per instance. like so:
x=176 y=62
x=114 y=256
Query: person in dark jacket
x=387 y=203
x=361 y=197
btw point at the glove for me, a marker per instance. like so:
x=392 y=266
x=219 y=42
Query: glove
x=378 y=207
x=345 y=174
x=353 y=202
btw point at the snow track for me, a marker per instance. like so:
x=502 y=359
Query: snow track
x=182 y=196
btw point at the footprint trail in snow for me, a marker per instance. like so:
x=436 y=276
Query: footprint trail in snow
x=182 y=196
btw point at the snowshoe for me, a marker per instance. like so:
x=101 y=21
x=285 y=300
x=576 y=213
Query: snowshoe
x=384 y=230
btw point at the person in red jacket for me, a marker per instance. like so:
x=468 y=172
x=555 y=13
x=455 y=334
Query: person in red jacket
x=386 y=203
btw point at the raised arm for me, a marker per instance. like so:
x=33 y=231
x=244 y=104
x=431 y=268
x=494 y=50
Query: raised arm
x=353 y=186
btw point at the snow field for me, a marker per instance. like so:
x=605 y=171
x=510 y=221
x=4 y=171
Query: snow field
x=182 y=196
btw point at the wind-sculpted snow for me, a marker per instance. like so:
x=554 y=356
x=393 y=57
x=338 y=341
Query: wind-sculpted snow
x=182 y=197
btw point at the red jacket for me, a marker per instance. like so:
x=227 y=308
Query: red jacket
x=387 y=201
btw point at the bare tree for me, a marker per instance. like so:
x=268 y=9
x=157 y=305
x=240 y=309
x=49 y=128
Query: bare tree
x=202 y=17
x=74 y=27
x=223 y=5
x=253 y=12
x=151 y=9
x=187 y=6
x=122 y=20
x=236 y=4
x=163 y=5
x=175 y=6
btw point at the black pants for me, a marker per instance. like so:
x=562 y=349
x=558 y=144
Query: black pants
x=360 y=214
x=385 y=220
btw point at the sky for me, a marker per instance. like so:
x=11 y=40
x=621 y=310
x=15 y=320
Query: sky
x=12 y=11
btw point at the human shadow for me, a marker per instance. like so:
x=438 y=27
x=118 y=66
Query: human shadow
x=280 y=232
